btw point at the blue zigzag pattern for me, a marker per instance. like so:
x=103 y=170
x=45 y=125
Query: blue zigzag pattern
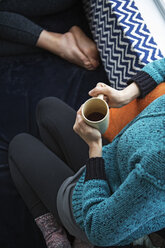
x=123 y=39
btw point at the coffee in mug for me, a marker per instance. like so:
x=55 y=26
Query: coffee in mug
x=95 y=116
x=95 y=112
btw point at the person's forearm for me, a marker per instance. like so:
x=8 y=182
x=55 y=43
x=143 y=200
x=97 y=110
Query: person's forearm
x=129 y=93
x=48 y=41
x=95 y=149
x=149 y=77
x=17 y=28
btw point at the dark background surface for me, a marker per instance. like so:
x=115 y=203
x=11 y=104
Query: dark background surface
x=24 y=80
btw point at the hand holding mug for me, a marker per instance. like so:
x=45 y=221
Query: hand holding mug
x=89 y=134
x=112 y=96
x=116 y=98
x=95 y=112
x=90 y=130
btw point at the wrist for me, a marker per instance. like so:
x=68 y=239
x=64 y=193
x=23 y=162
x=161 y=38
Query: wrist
x=48 y=41
x=43 y=39
x=95 y=149
x=130 y=93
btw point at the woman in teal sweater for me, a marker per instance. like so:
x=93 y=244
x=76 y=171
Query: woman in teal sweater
x=119 y=195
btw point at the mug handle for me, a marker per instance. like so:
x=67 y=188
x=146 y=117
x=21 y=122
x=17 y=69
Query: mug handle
x=100 y=96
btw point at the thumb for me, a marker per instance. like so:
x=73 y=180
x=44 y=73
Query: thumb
x=98 y=90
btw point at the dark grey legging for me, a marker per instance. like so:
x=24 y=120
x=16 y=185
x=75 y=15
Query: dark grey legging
x=38 y=169
x=18 y=31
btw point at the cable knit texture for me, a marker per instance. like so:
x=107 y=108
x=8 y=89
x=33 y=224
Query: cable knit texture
x=149 y=77
x=120 y=117
x=130 y=202
x=95 y=169
x=145 y=82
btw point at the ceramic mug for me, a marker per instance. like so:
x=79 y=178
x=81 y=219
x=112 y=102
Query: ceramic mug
x=95 y=112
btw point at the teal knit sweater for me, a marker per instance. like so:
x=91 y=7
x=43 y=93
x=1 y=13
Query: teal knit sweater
x=121 y=196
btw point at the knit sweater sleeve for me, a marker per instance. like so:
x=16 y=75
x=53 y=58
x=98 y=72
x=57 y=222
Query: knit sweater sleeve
x=127 y=214
x=149 y=77
x=17 y=28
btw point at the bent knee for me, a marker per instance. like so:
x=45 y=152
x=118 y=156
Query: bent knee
x=45 y=107
x=17 y=144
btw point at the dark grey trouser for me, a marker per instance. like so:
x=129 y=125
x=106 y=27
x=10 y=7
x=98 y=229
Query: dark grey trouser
x=39 y=169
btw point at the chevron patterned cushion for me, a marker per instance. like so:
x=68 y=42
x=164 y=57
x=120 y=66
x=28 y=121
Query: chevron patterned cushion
x=123 y=39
